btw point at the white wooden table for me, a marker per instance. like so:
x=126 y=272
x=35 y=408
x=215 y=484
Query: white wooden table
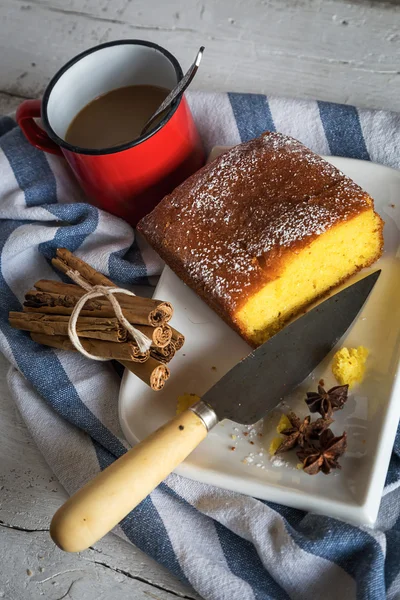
x=327 y=49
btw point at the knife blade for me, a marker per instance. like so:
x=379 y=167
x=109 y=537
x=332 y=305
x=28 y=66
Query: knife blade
x=258 y=383
x=244 y=394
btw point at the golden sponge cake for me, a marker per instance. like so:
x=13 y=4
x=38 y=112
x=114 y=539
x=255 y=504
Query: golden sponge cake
x=264 y=230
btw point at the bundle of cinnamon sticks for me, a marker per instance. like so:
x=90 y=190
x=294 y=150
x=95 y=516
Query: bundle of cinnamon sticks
x=47 y=309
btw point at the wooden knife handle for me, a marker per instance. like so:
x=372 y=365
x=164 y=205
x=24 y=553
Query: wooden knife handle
x=96 y=508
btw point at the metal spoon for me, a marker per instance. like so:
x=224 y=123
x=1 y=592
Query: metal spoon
x=176 y=92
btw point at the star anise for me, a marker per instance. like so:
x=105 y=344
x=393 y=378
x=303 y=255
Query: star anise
x=327 y=402
x=318 y=427
x=326 y=457
x=301 y=431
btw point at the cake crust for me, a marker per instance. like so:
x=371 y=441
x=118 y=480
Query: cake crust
x=231 y=227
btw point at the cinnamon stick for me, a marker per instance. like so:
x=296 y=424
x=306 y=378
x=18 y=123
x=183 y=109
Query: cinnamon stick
x=72 y=289
x=59 y=287
x=125 y=351
x=165 y=354
x=177 y=338
x=160 y=336
x=66 y=261
x=142 y=311
x=152 y=372
x=86 y=327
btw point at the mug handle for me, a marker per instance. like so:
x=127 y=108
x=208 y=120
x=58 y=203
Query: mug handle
x=26 y=113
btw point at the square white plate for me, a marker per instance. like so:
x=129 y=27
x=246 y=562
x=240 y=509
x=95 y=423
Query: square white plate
x=370 y=416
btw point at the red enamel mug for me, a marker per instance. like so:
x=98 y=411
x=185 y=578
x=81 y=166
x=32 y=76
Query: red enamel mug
x=127 y=180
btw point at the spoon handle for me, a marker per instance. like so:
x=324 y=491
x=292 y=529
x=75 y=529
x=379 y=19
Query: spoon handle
x=176 y=92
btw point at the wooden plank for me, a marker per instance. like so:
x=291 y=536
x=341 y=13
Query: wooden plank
x=9 y=103
x=36 y=570
x=327 y=30
x=331 y=50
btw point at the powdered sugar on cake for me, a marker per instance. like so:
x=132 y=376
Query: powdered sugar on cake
x=226 y=228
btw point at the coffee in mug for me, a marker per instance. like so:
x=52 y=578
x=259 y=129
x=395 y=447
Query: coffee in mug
x=116 y=117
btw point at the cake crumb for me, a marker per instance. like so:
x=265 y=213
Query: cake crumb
x=283 y=424
x=348 y=365
x=186 y=401
x=274 y=445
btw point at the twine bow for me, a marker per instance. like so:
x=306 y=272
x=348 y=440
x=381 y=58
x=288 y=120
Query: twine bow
x=96 y=291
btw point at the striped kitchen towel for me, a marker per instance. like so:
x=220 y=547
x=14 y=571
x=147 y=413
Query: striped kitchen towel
x=227 y=546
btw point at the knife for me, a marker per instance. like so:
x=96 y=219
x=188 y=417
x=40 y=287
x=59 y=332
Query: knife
x=245 y=394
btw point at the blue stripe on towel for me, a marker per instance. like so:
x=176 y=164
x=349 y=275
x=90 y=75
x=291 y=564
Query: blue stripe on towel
x=252 y=115
x=6 y=125
x=245 y=563
x=144 y=525
x=30 y=168
x=393 y=474
x=351 y=548
x=78 y=222
x=392 y=563
x=127 y=266
x=343 y=130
